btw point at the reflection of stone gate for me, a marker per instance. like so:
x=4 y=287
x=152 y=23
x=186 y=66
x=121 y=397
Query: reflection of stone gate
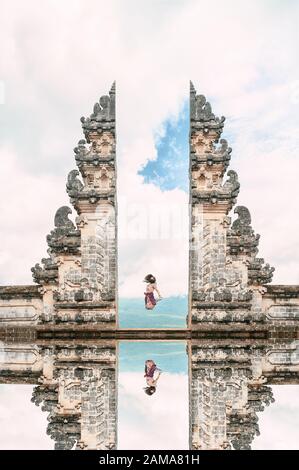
x=247 y=328
x=76 y=386
x=229 y=383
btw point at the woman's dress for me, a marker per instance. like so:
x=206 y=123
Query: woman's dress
x=152 y=370
x=149 y=300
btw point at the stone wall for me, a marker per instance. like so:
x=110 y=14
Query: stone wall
x=20 y=305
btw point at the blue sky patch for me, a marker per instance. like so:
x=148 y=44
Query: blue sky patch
x=170 y=169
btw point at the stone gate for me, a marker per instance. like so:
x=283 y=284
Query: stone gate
x=61 y=333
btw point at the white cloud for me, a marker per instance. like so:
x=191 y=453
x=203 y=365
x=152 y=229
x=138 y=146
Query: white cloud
x=159 y=421
x=144 y=216
x=278 y=423
x=57 y=60
x=22 y=424
x=28 y=204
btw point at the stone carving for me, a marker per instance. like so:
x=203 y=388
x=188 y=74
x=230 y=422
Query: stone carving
x=242 y=224
x=103 y=115
x=204 y=191
x=82 y=151
x=241 y=237
x=73 y=182
x=223 y=149
x=80 y=397
x=202 y=109
x=103 y=145
x=260 y=396
x=61 y=220
x=232 y=183
x=204 y=150
x=65 y=237
x=102 y=179
x=95 y=158
x=65 y=431
x=48 y=274
x=258 y=272
x=202 y=117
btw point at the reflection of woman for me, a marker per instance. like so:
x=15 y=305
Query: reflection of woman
x=151 y=286
x=152 y=374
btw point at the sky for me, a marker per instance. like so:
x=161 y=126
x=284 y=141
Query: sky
x=56 y=61
x=159 y=421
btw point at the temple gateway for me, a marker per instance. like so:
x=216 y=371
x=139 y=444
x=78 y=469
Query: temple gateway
x=61 y=333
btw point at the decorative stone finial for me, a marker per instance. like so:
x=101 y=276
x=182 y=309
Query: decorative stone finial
x=74 y=185
x=65 y=237
x=241 y=239
x=103 y=116
x=201 y=114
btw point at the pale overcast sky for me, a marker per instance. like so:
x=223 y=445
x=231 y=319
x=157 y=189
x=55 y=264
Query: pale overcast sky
x=157 y=422
x=59 y=57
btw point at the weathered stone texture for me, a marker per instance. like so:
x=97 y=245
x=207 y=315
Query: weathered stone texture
x=228 y=386
x=77 y=387
x=227 y=281
x=228 y=285
x=230 y=302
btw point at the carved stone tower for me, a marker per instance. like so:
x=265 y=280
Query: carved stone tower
x=79 y=279
x=225 y=274
x=62 y=333
x=229 y=298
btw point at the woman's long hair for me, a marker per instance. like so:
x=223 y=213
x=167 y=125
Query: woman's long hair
x=150 y=278
x=150 y=390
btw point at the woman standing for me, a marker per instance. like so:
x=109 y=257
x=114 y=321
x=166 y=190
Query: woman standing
x=152 y=374
x=151 y=286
